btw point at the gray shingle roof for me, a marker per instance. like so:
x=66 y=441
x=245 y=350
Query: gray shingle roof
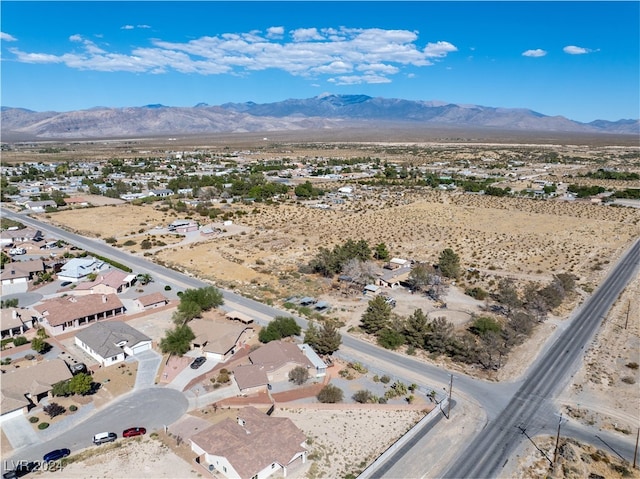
x=104 y=338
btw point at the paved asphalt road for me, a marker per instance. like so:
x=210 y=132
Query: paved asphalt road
x=526 y=403
x=531 y=407
x=151 y=408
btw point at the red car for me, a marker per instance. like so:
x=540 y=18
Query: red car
x=134 y=431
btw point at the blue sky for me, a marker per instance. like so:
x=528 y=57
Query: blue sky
x=576 y=59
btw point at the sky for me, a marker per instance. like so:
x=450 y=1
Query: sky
x=577 y=59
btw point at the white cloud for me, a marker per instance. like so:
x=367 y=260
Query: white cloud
x=275 y=32
x=127 y=27
x=143 y=26
x=345 y=55
x=439 y=49
x=573 y=50
x=534 y=53
x=305 y=34
x=5 y=37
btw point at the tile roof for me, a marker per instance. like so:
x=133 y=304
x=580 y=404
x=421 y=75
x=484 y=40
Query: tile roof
x=220 y=336
x=113 y=278
x=15 y=317
x=276 y=354
x=21 y=269
x=33 y=380
x=153 y=298
x=250 y=376
x=67 y=308
x=250 y=448
x=104 y=338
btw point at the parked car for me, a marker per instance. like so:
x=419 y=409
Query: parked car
x=134 y=431
x=103 y=437
x=22 y=469
x=64 y=284
x=197 y=362
x=56 y=454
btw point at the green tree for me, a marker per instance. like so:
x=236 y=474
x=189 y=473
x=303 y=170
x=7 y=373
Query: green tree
x=381 y=252
x=508 y=295
x=80 y=383
x=416 y=328
x=440 y=335
x=330 y=394
x=449 y=263
x=377 y=315
x=177 y=340
x=186 y=311
x=484 y=324
x=207 y=298
x=39 y=345
x=61 y=388
x=389 y=338
x=327 y=339
x=280 y=327
x=421 y=276
x=299 y=375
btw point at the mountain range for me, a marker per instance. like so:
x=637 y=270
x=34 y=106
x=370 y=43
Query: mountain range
x=326 y=111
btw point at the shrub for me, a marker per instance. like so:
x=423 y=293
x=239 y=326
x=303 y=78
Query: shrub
x=73 y=408
x=633 y=365
x=363 y=396
x=330 y=394
x=29 y=357
x=54 y=409
x=34 y=419
x=223 y=377
x=299 y=375
x=20 y=340
x=385 y=379
x=628 y=380
x=167 y=288
x=43 y=425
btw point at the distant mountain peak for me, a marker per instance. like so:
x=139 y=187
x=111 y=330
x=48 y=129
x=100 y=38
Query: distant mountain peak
x=324 y=111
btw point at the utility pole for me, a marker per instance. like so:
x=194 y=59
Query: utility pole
x=626 y=322
x=555 y=451
x=449 y=403
x=635 y=451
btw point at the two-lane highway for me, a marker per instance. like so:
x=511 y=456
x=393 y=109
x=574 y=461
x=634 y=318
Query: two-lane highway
x=530 y=407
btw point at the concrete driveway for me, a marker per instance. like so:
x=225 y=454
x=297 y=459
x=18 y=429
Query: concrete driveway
x=148 y=364
x=187 y=374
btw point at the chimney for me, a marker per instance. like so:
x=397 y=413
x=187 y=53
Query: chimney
x=104 y=298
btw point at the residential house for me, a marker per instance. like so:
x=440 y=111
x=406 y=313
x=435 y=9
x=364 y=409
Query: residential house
x=22 y=235
x=25 y=387
x=16 y=275
x=238 y=316
x=112 y=282
x=60 y=314
x=371 y=290
x=16 y=321
x=112 y=341
x=393 y=278
x=219 y=340
x=254 y=446
x=278 y=358
x=183 y=226
x=161 y=193
x=78 y=268
x=250 y=378
x=151 y=301
x=40 y=206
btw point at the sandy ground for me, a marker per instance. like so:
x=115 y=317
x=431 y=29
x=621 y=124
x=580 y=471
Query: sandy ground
x=524 y=239
x=604 y=394
x=132 y=459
